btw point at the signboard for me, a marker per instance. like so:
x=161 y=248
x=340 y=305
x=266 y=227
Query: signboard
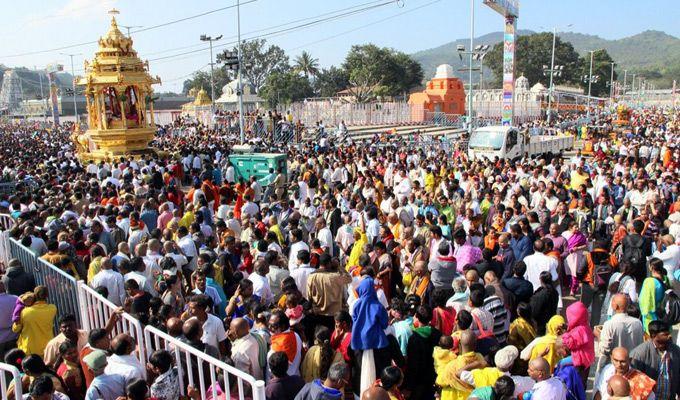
x=509 y=9
x=506 y=8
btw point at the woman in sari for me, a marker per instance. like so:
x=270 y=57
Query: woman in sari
x=652 y=292
x=579 y=338
x=240 y=191
x=575 y=261
x=544 y=346
x=360 y=241
x=369 y=320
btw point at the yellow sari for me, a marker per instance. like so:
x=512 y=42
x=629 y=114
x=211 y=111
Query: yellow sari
x=357 y=250
x=548 y=341
x=453 y=388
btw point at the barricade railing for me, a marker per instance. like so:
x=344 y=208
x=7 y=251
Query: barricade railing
x=62 y=288
x=96 y=311
x=202 y=371
x=5 y=371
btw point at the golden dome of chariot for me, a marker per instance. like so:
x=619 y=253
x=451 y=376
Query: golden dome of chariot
x=115 y=40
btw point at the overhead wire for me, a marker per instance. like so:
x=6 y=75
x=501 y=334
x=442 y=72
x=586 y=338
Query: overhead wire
x=268 y=28
x=364 y=26
x=367 y=6
x=137 y=31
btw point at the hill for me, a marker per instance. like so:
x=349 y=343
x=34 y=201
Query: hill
x=654 y=54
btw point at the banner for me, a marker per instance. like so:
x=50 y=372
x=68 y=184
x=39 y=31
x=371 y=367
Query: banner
x=508 y=109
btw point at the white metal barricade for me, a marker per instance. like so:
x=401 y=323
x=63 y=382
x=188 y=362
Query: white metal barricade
x=201 y=371
x=96 y=311
x=5 y=371
x=62 y=288
x=6 y=224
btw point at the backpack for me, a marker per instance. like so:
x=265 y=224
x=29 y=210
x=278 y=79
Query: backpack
x=669 y=309
x=602 y=270
x=634 y=253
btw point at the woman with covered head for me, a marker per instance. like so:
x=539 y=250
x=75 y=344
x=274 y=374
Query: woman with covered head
x=544 y=346
x=579 y=338
x=369 y=342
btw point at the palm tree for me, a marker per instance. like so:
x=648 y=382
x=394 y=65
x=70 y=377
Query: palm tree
x=307 y=64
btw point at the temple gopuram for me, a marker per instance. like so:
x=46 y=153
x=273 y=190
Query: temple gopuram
x=119 y=101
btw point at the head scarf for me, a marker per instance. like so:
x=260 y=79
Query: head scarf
x=369 y=319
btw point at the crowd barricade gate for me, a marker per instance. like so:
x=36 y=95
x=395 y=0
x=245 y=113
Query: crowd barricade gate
x=197 y=369
x=6 y=224
x=62 y=288
x=9 y=370
x=96 y=310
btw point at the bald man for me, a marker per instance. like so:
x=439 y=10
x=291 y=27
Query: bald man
x=123 y=361
x=618 y=388
x=174 y=327
x=546 y=387
x=247 y=350
x=621 y=330
x=641 y=385
x=375 y=393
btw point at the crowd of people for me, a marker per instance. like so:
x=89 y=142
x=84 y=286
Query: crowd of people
x=358 y=271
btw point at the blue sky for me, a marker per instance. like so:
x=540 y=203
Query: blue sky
x=33 y=25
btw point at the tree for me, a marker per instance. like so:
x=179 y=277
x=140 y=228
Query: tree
x=602 y=64
x=260 y=62
x=330 y=81
x=532 y=52
x=374 y=70
x=201 y=80
x=306 y=64
x=285 y=88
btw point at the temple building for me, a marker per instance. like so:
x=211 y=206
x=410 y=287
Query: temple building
x=119 y=98
x=443 y=94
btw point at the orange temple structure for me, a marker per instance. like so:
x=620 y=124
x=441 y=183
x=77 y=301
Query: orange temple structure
x=443 y=94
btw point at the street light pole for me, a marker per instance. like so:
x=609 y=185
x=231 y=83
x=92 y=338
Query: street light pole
x=73 y=74
x=42 y=96
x=205 y=38
x=590 y=80
x=472 y=41
x=239 y=90
x=552 y=72
x=625 y=76
x=611 y=85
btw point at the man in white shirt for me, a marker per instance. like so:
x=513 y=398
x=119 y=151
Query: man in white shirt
x=213 y=328
x=260 y=282
x=249 y=208
x=670 y=255
x=296 y=246
x=187 y=245
x=122 y=361
x=537 y=263
x=246 y=348
x=324 y=235
x=547 y=386
x=302 y=271
x=111 y=280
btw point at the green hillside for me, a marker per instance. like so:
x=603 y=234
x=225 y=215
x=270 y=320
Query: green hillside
x=653 y=54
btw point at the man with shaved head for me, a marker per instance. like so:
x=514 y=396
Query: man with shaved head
x=375 y=393
x=248 y=350
x=618 y=388
x=641 y=385
x=123 y=361
x=547 y=386
x=621 y=330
